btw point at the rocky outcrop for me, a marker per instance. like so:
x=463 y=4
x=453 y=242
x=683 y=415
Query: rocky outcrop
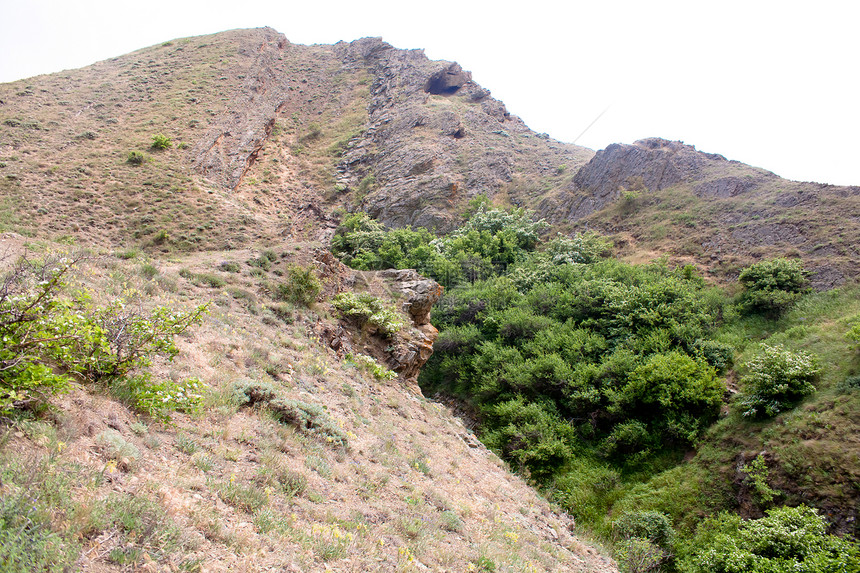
x=230 y=147
x=435 y=139
x=410 y=348
x=647 y=165
x=448 y=80
x=414 y=345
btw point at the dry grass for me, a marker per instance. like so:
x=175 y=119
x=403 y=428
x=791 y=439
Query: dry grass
x=249 y=493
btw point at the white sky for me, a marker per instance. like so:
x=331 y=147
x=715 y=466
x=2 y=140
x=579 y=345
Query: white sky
x=770 y=83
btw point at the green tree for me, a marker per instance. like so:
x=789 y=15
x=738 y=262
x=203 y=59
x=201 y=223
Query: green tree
x=772 y=287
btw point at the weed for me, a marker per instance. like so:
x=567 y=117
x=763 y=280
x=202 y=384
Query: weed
x=136 y=158
x=161 y=141
x=243 y=497
x=117 y=448
x=451 y=521
x=370 y=365
x=186 y=445
x=139 y=428
x=301 y=286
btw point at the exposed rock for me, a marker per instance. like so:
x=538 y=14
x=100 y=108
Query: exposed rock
x=447 y=80
x=226 y=152
x=421 y=293
x=658 y=162
x=725 y=187
x=414 y=345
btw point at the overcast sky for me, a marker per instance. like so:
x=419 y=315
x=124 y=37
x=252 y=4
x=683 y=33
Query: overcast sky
x=772 y=84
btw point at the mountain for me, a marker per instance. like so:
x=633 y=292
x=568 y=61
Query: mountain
x=216 y=170
x=275 y=137
x=283 y=434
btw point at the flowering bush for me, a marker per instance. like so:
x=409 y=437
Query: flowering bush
x=787 y=539
x=777 y=378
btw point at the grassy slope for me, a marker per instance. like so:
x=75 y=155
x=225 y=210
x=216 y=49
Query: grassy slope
x=413 y=489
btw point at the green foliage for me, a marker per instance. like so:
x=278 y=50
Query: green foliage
x=757 y=476
x=28 y=541
x=718 y=354
x=136 y=158
x=786 y=539
x=301 y=286
x=530 y=434
x=654 y=526
x=369 y=310
x=639 y=555
x=776 y=379
x=41 y=329
x=368 y=364
x=161 y=141
x=772 y=287
x=486 y=244
x=678 y=395
x=159 y=399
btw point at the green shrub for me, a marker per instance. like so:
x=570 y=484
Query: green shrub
x=772 y=287
x=42 y=329
x=136 y=158
x=654 y=526
x=679 y=395
x=757 y=477
x=530 y=434
x=717 y=354
x=159 y=399
x=161 y=141
x=368 y=309
x=850 y=384
x=639 y=555
x=301 y=286
x=776 y=379
x=786 y=539
x=370 y=365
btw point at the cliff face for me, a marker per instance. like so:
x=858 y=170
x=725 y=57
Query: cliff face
x=435 y=139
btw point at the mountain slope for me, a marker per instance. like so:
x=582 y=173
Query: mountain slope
x=380 y=479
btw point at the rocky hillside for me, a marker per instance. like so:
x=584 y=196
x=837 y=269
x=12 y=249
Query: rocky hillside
x=271 y=138
x=216 y=169
x=208 y=171
x=666 y=197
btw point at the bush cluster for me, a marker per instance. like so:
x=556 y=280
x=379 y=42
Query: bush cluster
x=786 y=539
x=369 y=310
x=772 y=287
x=776 y=379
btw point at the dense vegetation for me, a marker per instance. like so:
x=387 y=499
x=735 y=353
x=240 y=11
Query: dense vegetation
x=595 y=378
